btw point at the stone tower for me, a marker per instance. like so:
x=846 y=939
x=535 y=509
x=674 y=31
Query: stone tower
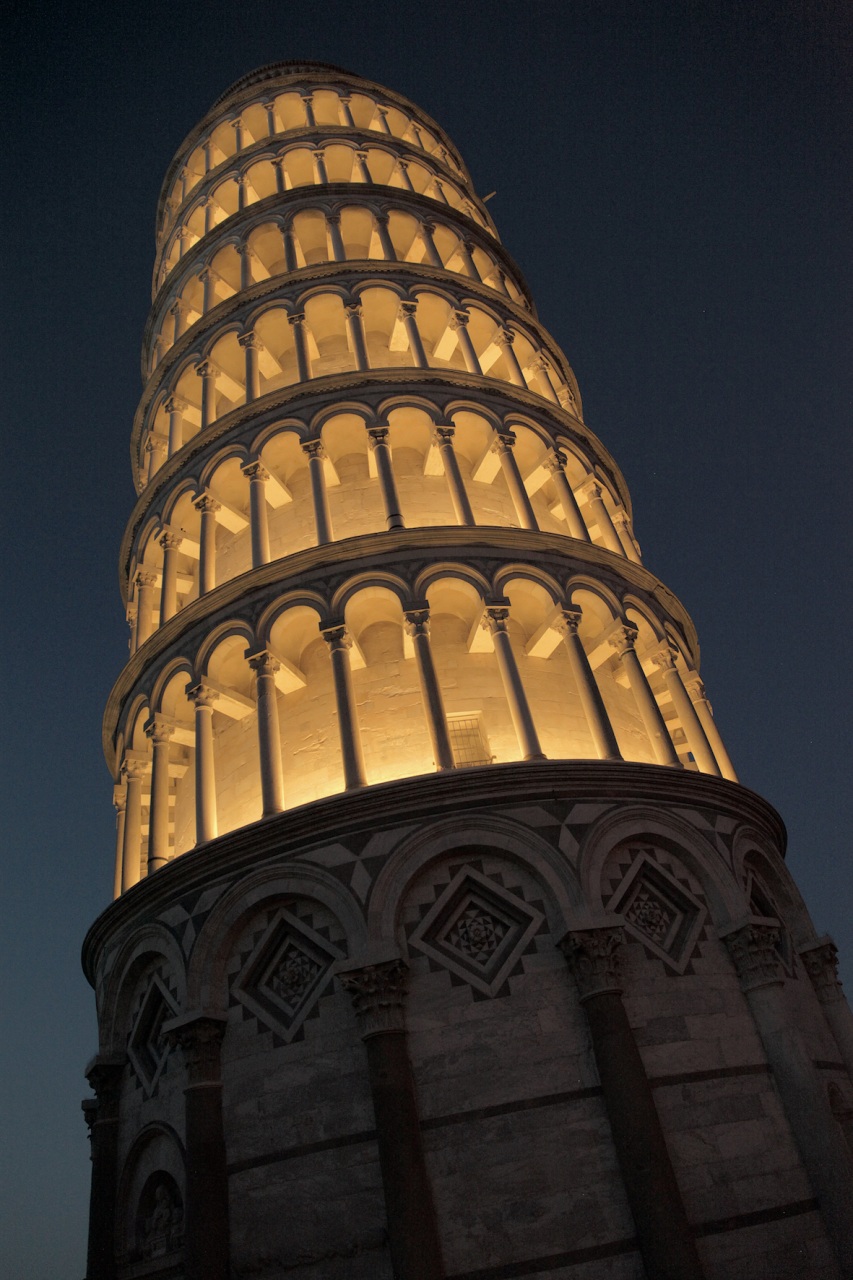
x=445 y=943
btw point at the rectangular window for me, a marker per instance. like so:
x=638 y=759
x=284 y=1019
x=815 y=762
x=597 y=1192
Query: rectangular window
x=468 y=741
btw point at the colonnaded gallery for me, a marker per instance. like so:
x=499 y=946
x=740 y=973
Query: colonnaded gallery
x=445 y=944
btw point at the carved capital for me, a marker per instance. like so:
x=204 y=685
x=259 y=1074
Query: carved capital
x=820 y=960
x=314 y=448
x=298 y=317
x=170 y=541
x=504 y=337
x=256 y=472
x=378 y=994
x=623 y=639
x=144 y=579
x=159 y=730
x=494 y=618
x=251 y=341
x=664 y=658
x=263 y=663
x=201 y=1042
x=201 y=695
x=591 y=490
x=696 y=688
x=205 y=369
x=206 y=502
x=337 y=638
x=104 y=1076
x=408 y=310
x=381 y=219
x=459 y=320
x=377 y=436
x=504 y=440
x=591 y=955
x=444 y=436
x=156 y=444
x=567 y=621
x=555 y=460
x=353 y=311
x=752 y=948
x=135 y=770
x=416 y=622
x=175 y=405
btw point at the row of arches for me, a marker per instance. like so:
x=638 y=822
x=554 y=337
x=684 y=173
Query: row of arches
x=300 y=165
x=390 y=678
x=302 y=108
x=295 y=486
x=330 y=330
x=338 y=232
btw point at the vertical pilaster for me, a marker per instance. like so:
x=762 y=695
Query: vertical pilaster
x=825 y=1155
x=378 y=993
x=666 y=1240
x=820 y=960
x=104 y=1076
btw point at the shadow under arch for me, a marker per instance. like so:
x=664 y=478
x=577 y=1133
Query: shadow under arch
x=146 y=945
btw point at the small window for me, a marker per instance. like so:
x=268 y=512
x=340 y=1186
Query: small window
x=468 y=741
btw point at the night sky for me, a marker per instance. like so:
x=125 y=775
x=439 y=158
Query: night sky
x=674 y=180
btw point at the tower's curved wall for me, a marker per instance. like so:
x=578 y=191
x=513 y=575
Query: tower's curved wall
x=404 y=715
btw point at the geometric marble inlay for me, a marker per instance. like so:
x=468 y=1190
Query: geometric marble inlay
x=286 y=973
x=147 y=1047
x=658 y=911
x=477 y=930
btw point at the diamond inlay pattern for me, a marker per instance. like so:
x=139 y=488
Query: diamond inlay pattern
x=285 y=966
x=477 y=929
x=658 y=905
x=147 y=1047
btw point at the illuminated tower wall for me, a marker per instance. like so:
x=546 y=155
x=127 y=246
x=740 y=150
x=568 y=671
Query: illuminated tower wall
x=445 y=941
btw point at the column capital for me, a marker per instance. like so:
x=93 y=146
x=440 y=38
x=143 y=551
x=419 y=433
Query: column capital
x=170 y=541
x=263 y=663
x=241 y=179
x=820 y=961
x=250 y=340
x=380 y=218
x=623 y=638
x=503 y=441
x=159 y=729
x=567 y=621
x=591 y=955
x=135 y=769
x=443 y=435
x=459 y=320
x=539 y=365
x=314 y=448
x=298 y=317
x=495 y=616
x=206 y=502
x=336 y=637
x=202 y=695
x=408 y=310
x=236 y=123
x=591 y=488
x=255 y=471
x=334 y=218
x=504 y=337
x=555 y=460
x=696 y=688
x=664 y=658
x=104 y=1076
x=416 y=620
x=178 y=308
x=145 y=579
x=200 y=1037
x=377 y=436
x=175 y=404
x=156 y=444
x=620 y=519
x=354 y=310
x=378 y=994
x=120 y=797
x=206 y=369
x=752 y=947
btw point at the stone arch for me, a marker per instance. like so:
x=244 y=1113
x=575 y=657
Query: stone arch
x=149 y=945
x=207 y=978
x=151 y=1195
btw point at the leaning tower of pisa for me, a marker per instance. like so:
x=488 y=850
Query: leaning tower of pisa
x=445 y=944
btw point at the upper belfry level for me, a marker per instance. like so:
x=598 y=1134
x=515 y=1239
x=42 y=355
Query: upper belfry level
x=365 y=488
x=411 y=749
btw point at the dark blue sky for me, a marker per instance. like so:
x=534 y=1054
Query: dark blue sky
x=673 y=178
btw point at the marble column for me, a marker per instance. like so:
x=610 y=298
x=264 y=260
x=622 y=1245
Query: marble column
x=698 y=697
x=622 y=640
x=416 y=623
x=626 y=536
x=175 y=407
x=697 y=742
x=505 y=338
x=409 y=316
x=321 y=176
x=355 y=328
x=208 y=375
x=319 y=496
x=601 y=517
x=203 y=699
x=145 y=584
x=363 y=170
x=378 y=442
x=104 y=1076
x=207 y=506
x=567 y=622
x=346 y=109
x=206 y=1227
x=378 y=994
x=459 y=324
x=431 y=254
x=265 y=666
x=386 y=243
x=822 y=1146
x=666 y=1241
x=160 y=732
x=443 y=437
x=555 y=463
x=303 y=364
x=134 y=772
x=495 y=621
x=171 y=544
x=333 y=222
x=157 y=449
x=120 y=806
x=308 y=103
x=257 y=476
x=339 y=643
x=252 y=348
x=503 y=447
